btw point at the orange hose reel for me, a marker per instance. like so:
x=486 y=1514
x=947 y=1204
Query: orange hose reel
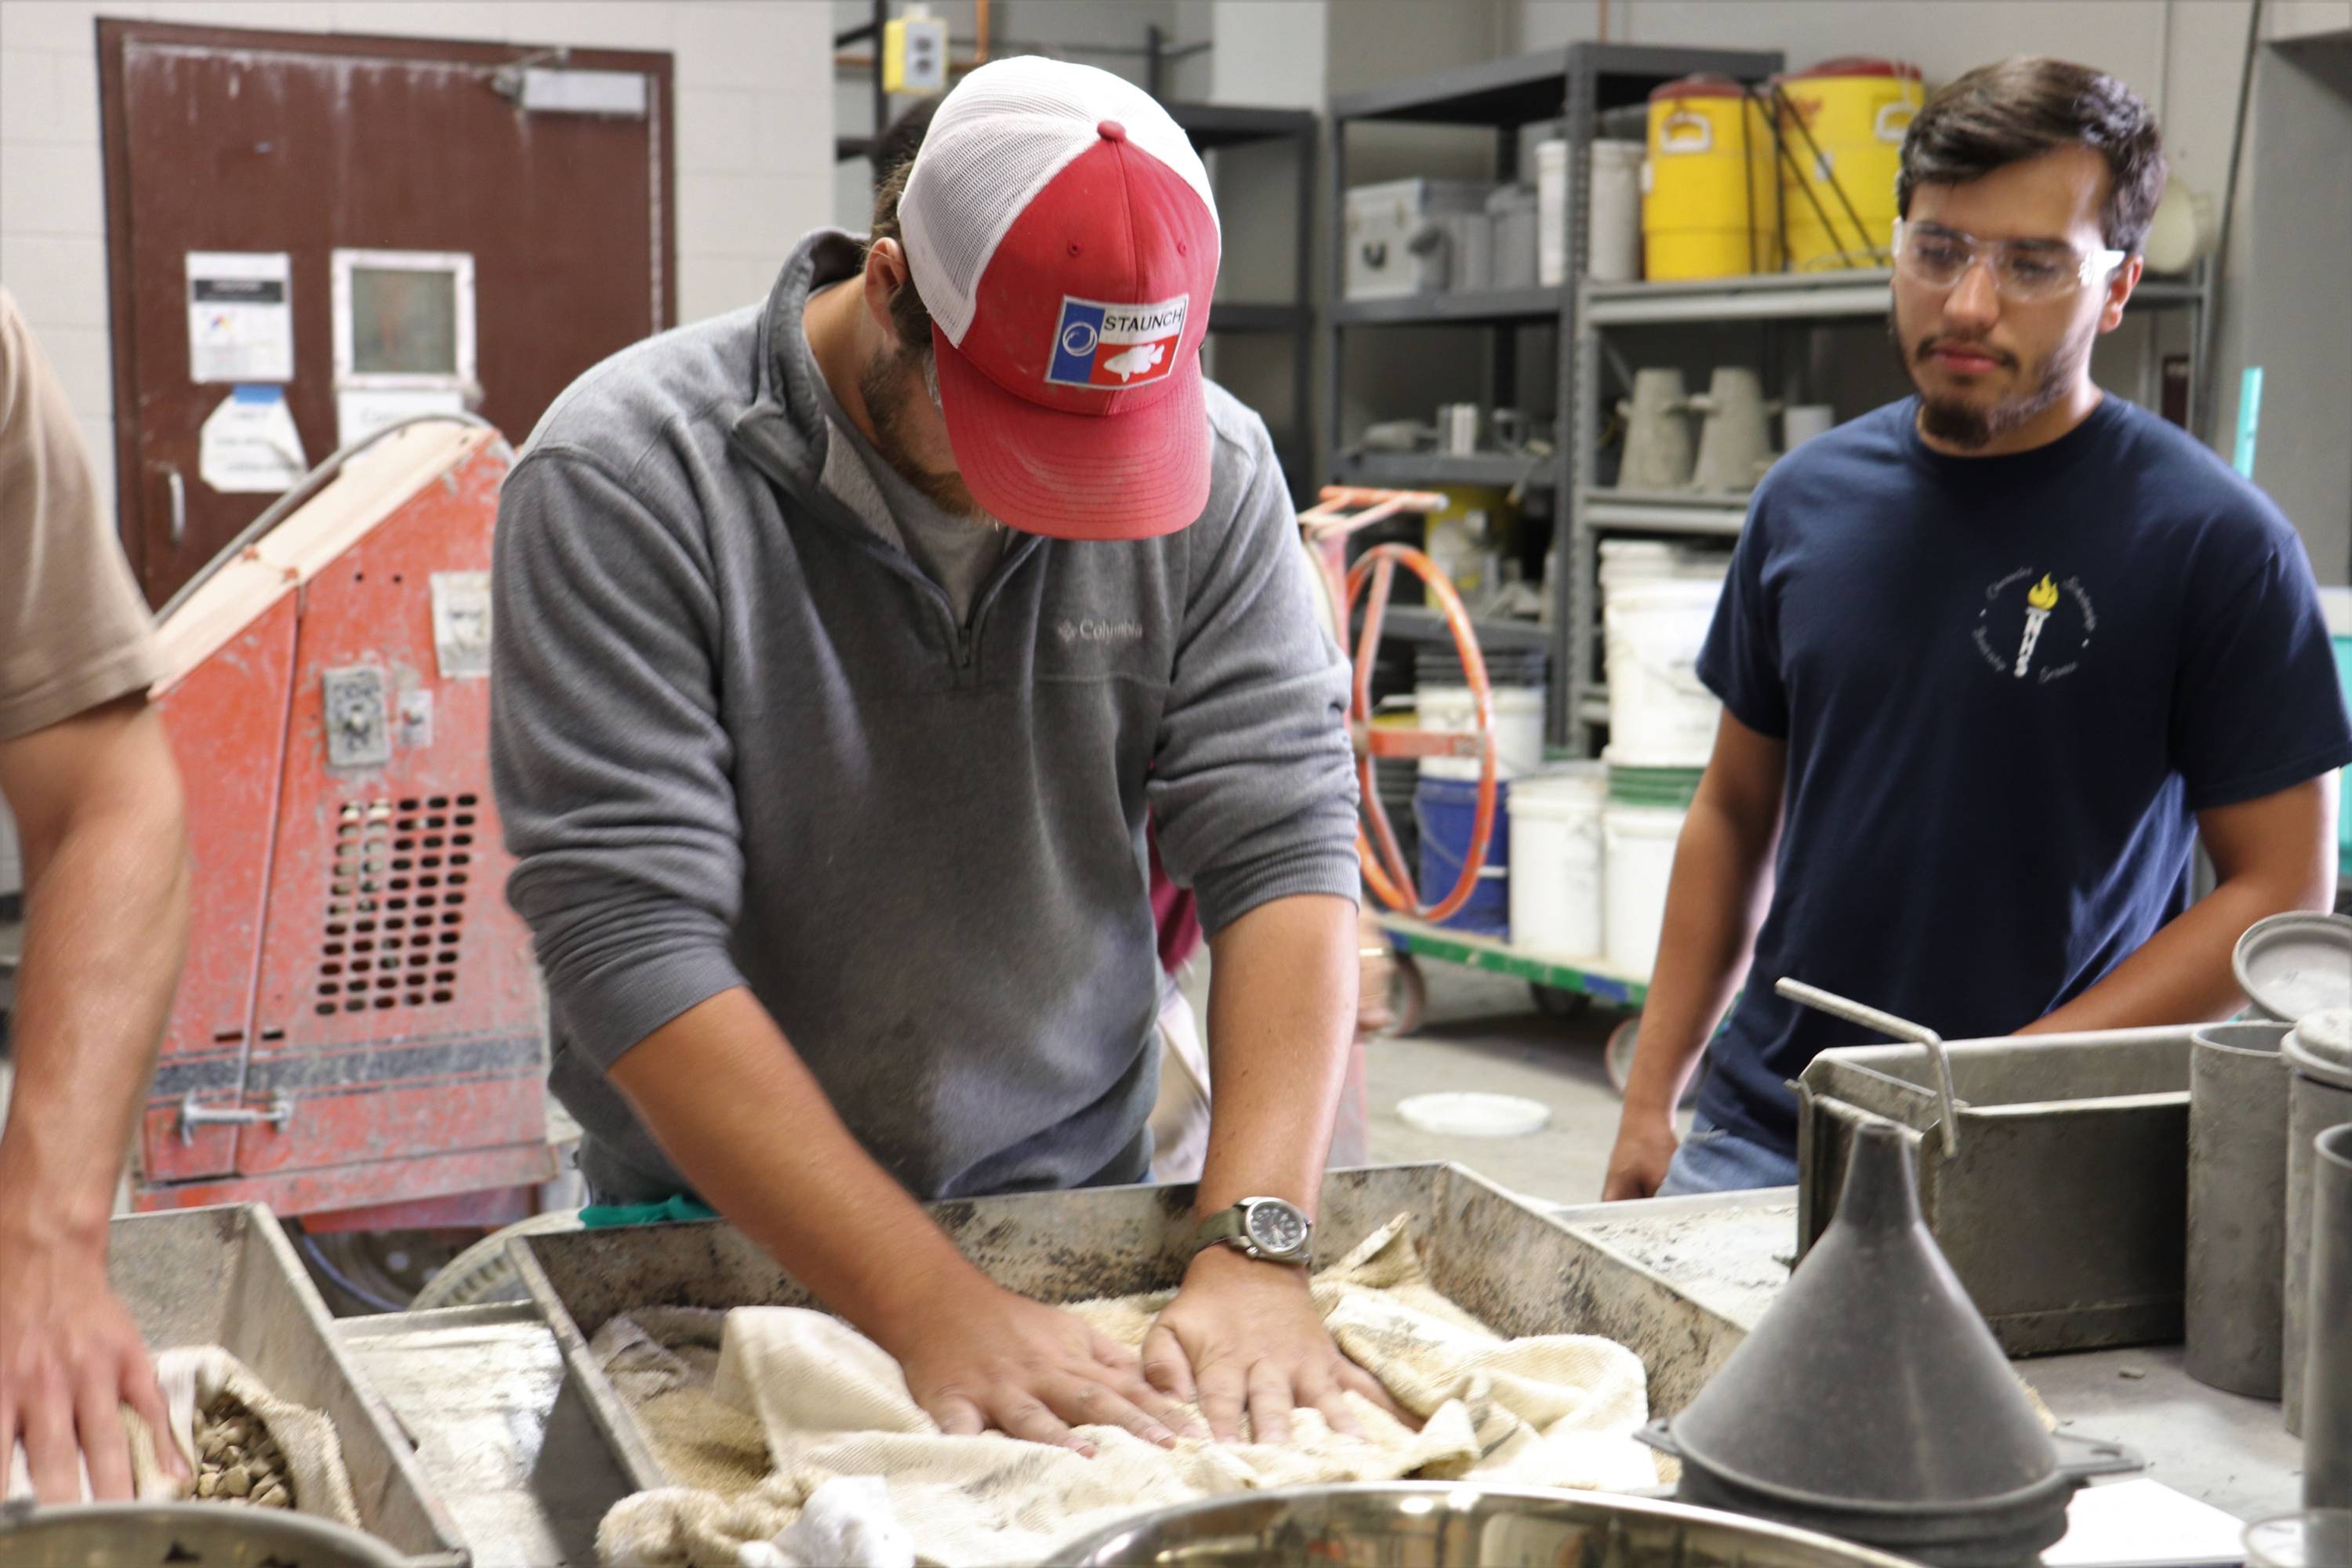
x=1372 y=578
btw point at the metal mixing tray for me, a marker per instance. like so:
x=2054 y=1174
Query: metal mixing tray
x=2065 y=1210
x=1507 y=1264
x=226 y=1277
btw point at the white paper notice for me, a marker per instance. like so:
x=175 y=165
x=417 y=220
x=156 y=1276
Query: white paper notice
x=360 y=411
x=249 y=444
x=240 y=316
x=461 y=624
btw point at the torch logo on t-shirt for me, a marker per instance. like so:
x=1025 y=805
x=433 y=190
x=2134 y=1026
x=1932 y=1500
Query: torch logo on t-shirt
x=1111 y=346
x=2044 y=643
x=2040 y=600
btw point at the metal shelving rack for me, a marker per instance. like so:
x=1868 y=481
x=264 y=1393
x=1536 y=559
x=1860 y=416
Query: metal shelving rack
x=1211 y=126
x=1575 y=83
x=1803 y=299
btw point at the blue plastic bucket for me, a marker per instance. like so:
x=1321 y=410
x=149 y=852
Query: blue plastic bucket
x=1446 y=810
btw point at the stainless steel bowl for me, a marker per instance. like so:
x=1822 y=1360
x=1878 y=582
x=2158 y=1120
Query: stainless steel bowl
x=200 y=1535
x=1433 y=1524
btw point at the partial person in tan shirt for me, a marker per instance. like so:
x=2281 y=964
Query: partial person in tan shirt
x=87 y=770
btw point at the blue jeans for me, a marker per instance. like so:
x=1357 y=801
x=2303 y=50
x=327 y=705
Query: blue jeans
x=1717 y=1160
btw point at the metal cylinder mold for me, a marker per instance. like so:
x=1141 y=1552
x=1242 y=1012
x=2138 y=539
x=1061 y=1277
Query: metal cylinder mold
x=2319 y=1050
x=2327 y=1362
x=2238 y=1085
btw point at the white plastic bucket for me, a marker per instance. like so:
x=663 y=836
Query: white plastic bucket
x=1660 y=714
x=1631 y=562
x=1555 y=879
x=1614 y=226
x=1518 y=729
x=1637 y=854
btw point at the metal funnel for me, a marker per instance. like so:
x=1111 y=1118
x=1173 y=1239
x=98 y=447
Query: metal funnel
x=1874 y=1403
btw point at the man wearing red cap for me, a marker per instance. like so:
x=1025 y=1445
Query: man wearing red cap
x=841 y=645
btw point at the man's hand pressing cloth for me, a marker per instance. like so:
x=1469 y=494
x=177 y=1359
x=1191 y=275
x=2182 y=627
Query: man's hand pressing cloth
x=1244 y=1336
x=982 y=1359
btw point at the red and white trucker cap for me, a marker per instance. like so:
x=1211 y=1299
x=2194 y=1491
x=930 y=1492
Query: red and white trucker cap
x=1060 y=230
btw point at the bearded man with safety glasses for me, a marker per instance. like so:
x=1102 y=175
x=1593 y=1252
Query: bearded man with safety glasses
x=1993 y=659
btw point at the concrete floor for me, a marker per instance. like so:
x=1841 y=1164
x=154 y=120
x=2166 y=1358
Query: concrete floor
x=1482 y=1032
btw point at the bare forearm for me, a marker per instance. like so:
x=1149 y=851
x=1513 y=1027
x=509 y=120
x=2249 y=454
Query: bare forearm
x=1282 y=1010
x=1714 y=902
x=740 y=1115
x=2274 y=854
x=106 y=919
x=2182 y=976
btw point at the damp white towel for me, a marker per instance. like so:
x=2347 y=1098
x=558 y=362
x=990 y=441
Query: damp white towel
x=1552 y=1410
x=848 y=1523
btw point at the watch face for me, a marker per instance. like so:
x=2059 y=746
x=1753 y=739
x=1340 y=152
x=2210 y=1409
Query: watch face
x=1277 y=1228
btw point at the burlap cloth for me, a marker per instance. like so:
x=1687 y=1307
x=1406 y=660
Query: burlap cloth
x=759 y=1409
x=192 y=1377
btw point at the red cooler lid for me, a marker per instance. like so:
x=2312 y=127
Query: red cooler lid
x=1854 y=65
x=1698 y=86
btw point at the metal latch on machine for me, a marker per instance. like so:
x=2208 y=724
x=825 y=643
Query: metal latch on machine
x=359 y=725
x=193 y=1116
x=416 y=719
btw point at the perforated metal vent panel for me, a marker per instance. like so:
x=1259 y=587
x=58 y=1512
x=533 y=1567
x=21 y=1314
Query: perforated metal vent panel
x=395 y=904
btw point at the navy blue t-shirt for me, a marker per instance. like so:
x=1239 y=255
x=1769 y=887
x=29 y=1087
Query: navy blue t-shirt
x=2006 y=684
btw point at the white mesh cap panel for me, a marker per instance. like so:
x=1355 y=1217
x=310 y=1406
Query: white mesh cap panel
x=998 y=140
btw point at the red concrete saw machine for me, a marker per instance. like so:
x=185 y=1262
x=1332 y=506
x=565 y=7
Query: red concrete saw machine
x=359 y=1027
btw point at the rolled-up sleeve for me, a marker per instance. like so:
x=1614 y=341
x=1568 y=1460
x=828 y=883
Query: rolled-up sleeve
x=1253 y=785
x=612 y=767
x=74 y=632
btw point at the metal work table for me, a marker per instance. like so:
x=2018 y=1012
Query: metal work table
x=480 y=1390
x=477 y=1390
x=1731 y=1252
x=2220 y=1448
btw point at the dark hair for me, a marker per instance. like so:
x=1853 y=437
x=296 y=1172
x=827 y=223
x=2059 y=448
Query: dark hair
x=2018 y=108
x=892 y=155
x=902 y=139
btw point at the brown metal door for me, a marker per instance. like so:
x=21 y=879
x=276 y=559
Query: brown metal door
x=223 y=140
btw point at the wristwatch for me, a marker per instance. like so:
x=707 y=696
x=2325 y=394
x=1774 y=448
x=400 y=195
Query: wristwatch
x=1269 y=1229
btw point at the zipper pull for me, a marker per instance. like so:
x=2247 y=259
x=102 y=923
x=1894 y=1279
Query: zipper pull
x=963 y=645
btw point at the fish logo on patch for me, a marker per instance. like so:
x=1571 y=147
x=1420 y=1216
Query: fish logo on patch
x=1109 y=346
x=1135 y=360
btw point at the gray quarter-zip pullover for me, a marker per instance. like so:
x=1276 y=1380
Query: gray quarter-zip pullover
x=741 y=739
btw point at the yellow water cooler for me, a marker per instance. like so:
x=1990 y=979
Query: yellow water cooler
x=1843 y=122
x=1709 y=196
